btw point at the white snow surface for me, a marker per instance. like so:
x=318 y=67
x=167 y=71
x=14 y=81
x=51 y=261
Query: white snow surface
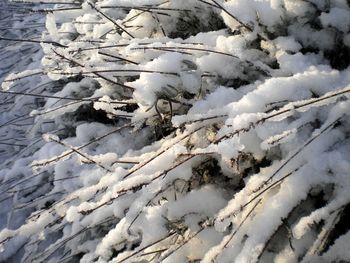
x=175 y=131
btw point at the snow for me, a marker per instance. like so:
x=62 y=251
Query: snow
x=338 y=18
x=176 y=131
x=287 y=44
x=193 y=203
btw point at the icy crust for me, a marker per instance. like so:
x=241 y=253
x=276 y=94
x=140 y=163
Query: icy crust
x=182 y=131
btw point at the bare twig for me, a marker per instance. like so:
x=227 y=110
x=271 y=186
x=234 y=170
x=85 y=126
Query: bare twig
x=66 y=98
x=81 y=154
x=110 y=19
x=33 y=41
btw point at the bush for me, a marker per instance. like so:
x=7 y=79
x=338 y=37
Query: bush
x=186 y=131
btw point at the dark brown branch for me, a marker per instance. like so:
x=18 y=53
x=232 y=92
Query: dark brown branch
x=81 y=154
x=110 y=19
x=160 y=153
x=84 y=145
x=136 y=187
x=258 y=195
x=186 y=48
x=97 y=74
x=330 y=126
x=65 y=98
x=145 y=247
x=33 y=41
x=282 y=111
x=235 y=18
x=236 y=229
x=118 y=71
x=117 y=57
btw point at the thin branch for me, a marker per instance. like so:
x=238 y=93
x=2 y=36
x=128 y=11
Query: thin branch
x=234 y=213
x=231 y=15
x=308 y=142
x=22 y=77
x=97 y=99
x=81 y=154
x=33 y=41
x=161 y=152
x=293 y=106
x=110 y=19
x=117 y=71
x=57 y=158
x=145 y=247
x=186 y=48
x=118 y=57
x=97 y=74
x=137 y=186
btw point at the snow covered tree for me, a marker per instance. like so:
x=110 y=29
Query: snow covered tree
x=182 y=131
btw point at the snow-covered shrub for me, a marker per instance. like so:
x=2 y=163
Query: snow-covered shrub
x=185 y=131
